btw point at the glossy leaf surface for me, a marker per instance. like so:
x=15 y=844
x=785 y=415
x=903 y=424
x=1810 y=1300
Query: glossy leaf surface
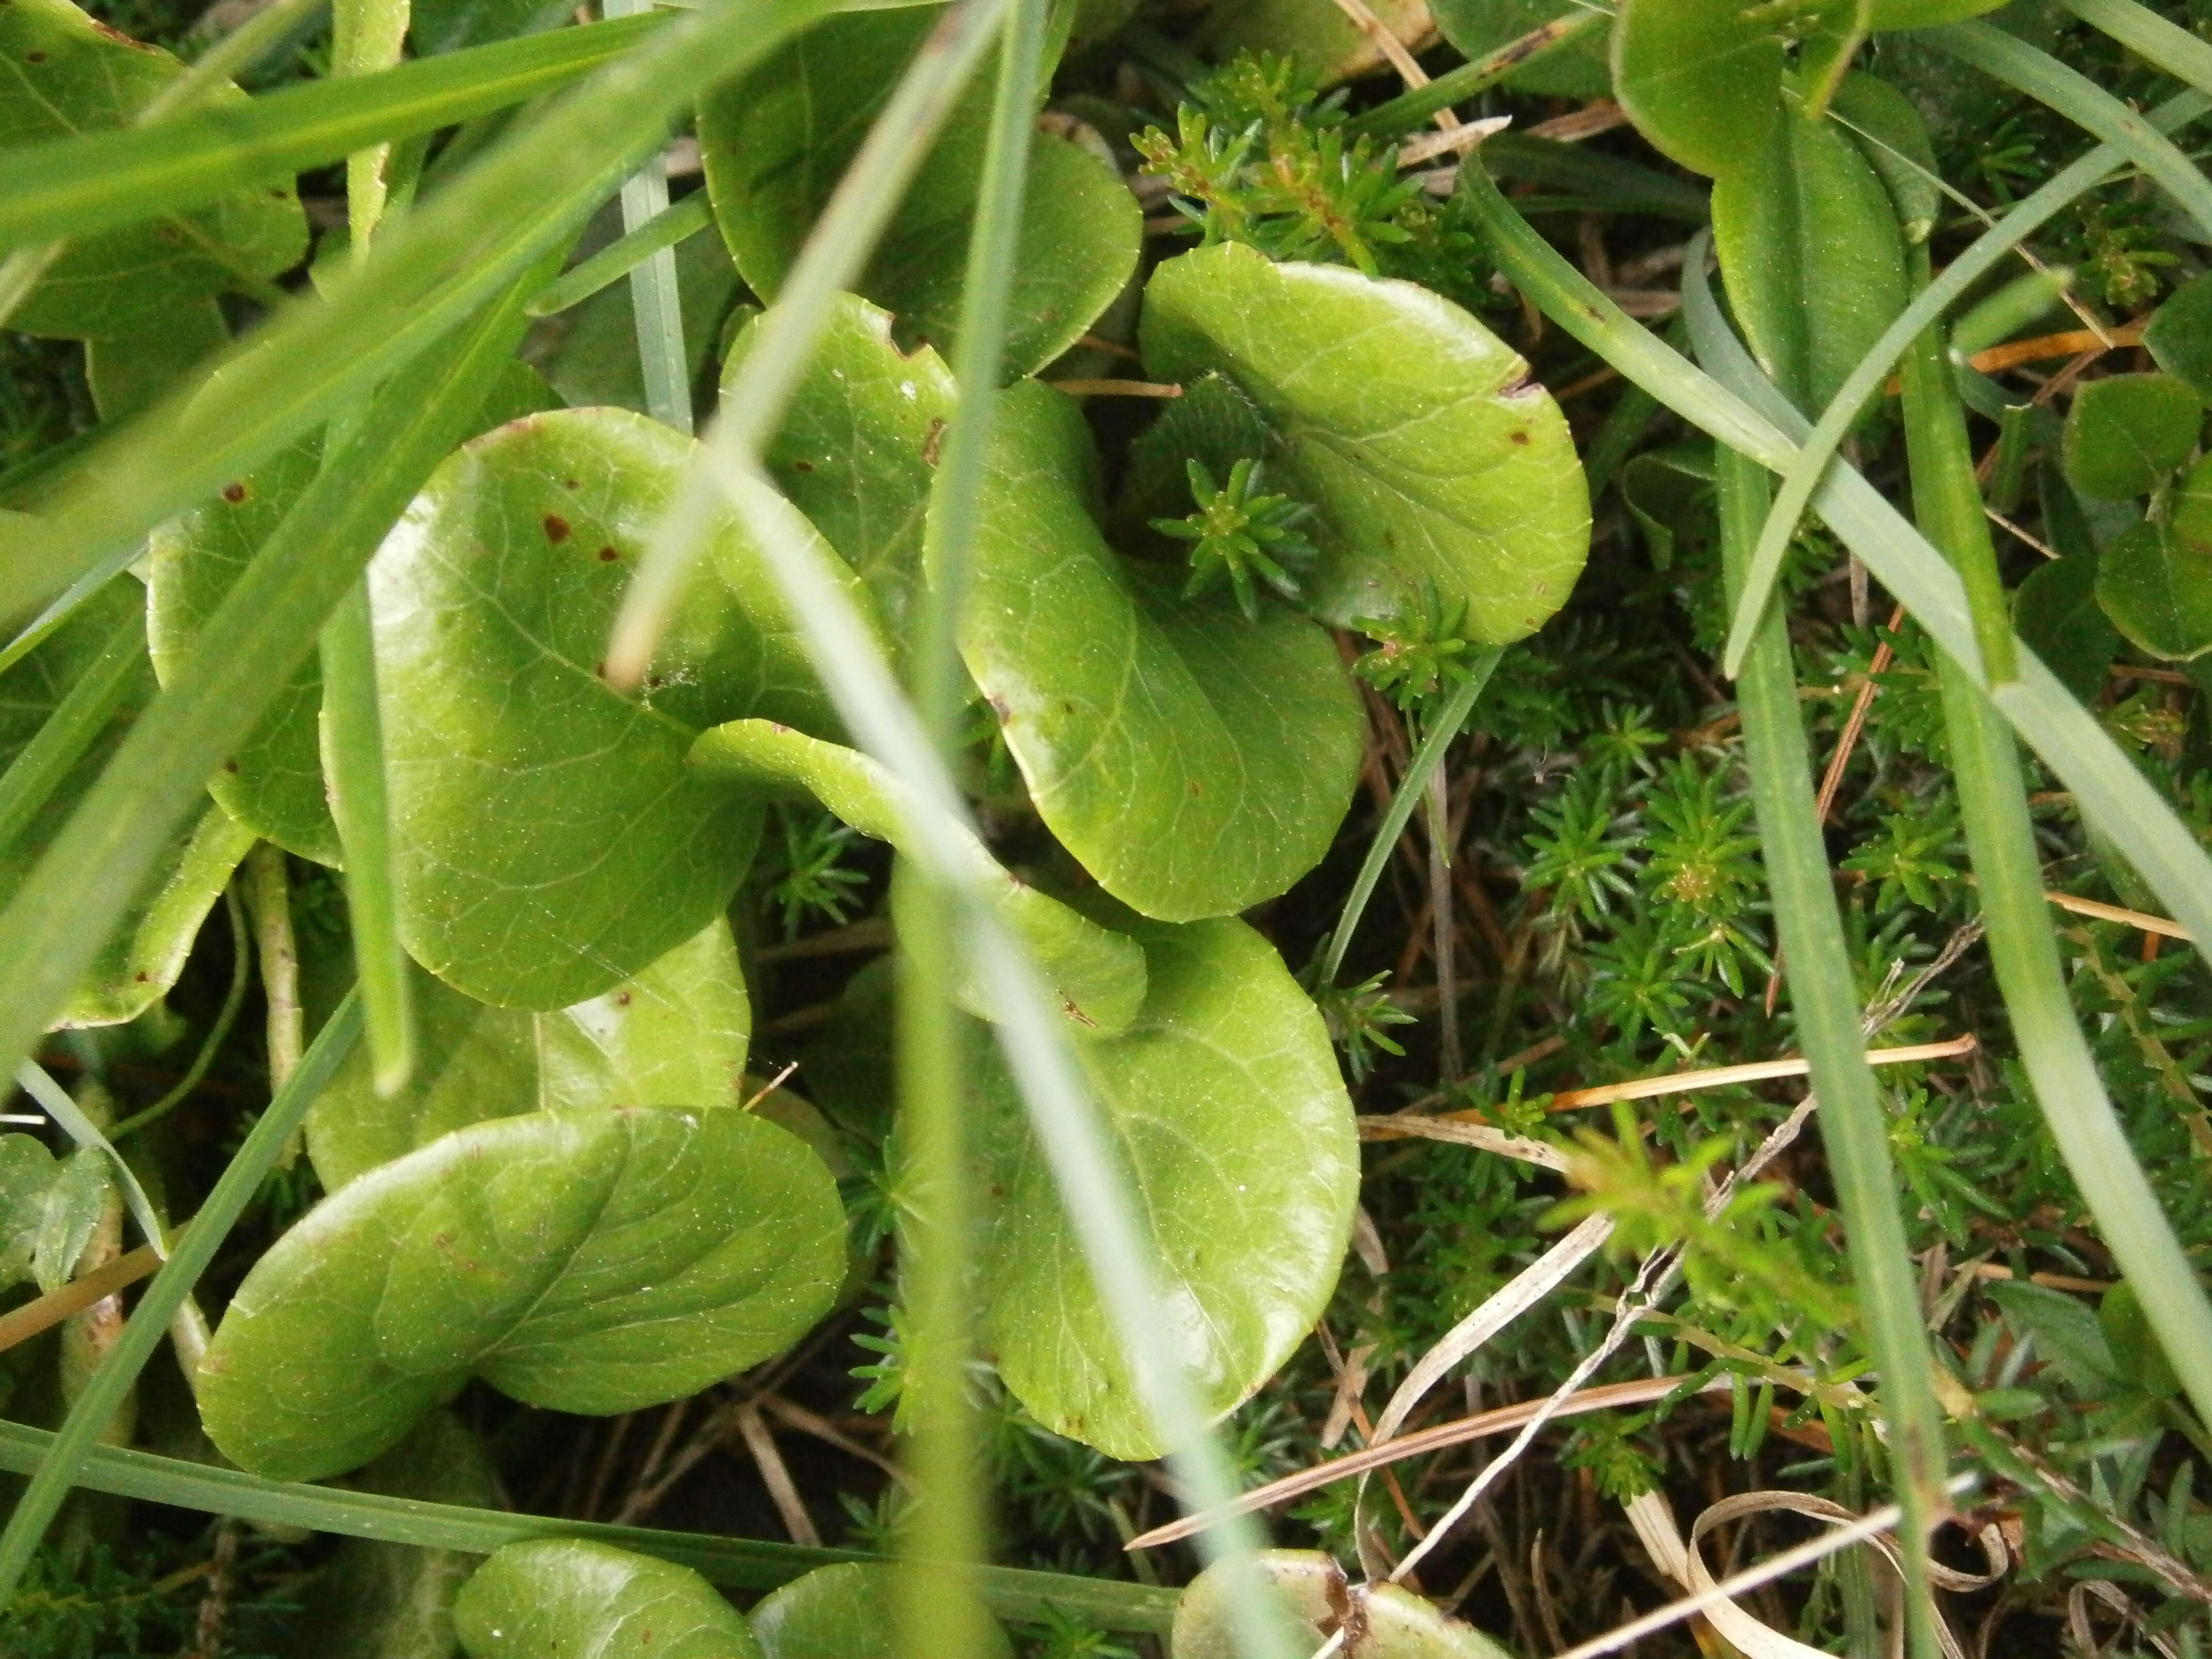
x=859 y=446
x=1699 y=81
x=1193 y=762
x=1312 y=1595
x=273 y=784
x=585 y=1261
x=549 y=838
x=1226 y=1104
x=674 y=1034
x=1428 y=454
x=775 y=142
x=1810 y=254
x=566 y=1596
x=1096 y=974
x=2124 y=433
x=841 y=1613
x=62 y=74
x=2157 y=589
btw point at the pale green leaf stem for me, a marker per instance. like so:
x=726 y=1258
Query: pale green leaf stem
x=60 y=1460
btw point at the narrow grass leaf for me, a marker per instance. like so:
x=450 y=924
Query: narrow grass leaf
x=2110 y=790
x=1803 y=474
x=57 y=1470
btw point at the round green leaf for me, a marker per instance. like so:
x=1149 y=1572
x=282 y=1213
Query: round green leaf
x=859 y=445
x=2157 y=589
x=1097 y=976
x=1313 y=1598
x=584 y=1261
x=776 y=140
x=273 y=784
x=564 y=1598
x=63 y=74
x=2125 y=432
x=1811 y=253
x=673 y=1036
x=549 y=838
x=843 y=1612
x=1700 y=81
x=142 y=958
x=1233 y=1123
x=2179 y=334
x=2058 y=618
x=1193 y=762
x=1429 y=457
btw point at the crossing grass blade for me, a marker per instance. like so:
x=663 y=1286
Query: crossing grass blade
x=520 y=200
x=1854 y=1127
x=1803 y=474
x=77 y=186
x=77 y=891
x=2008 y=59
x=2111 y=792
x=2000 y=841
x=57 y=1470
x=740 y=1563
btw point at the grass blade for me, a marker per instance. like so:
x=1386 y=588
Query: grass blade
x=2001 y=840
x=938 y=1612
x=2119 y=801
x=2151 y=37
x=41 y=1087
x=743 y=1563
x=447 y=260
x=1854 y=1127
x=618 y=258
x=829 y=263
x=353 y=758
x=76 y=186
x=82 y=715
x=1803 y=474
x=1410 y=109
x=73 y=896
x=656 y=300
x=2005 y=57
x=1449 y=719
x=57 y=1469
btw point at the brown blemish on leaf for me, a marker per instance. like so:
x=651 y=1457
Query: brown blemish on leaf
x=932 y=445
x=608 y=555
x=621 y=998
x=1520 y=435
x=802 y=466
x=234 y=492
x=557 y=529
x=230 y=766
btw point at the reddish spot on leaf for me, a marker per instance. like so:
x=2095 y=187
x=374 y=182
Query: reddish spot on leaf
x=608 y=555
x=1519 y=436
x=802 y=466
x=568 y=484
x=621 y=998
x=230 y=766
x=234 y=492
x=556 y=528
